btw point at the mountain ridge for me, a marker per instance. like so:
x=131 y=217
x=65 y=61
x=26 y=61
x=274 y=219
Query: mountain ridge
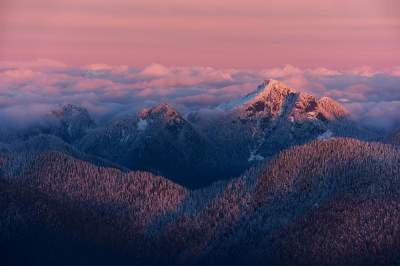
x=162 y=140
x=265 y=213
x=272 y=97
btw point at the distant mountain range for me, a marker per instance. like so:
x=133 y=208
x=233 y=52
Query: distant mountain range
x=278 y=177
x=198 y=150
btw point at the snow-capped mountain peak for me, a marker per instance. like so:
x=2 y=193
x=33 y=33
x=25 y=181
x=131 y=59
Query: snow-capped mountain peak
x=274 y=99
x=162 y=114
x=272 y=86
x=268 y=87
x=268 y=100
x=162 y=110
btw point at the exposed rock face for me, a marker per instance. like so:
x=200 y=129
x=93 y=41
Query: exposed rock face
x=163 y=117
x=274 y=99
x=159 y=140
x=198 y=150
x=277 y=116
x=71 y=122
x=270 y=100
x=297 y=194
x=163 y=113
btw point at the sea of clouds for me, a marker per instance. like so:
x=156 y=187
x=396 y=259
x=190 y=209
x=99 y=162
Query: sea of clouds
x=29 y=90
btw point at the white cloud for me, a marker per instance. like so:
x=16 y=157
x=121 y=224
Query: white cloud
x=156 y=70
x=107 y=90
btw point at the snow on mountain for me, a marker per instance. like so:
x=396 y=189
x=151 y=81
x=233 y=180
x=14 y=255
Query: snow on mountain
x=243 y=100
x=158 y=140
x=276 y=116
x=255 y=157
x=142 y=124
x=267 y=91
x=326 y=135
x=275 y=99
x=197 y=151
x=162 y=113
x=69 y=122
x=331 y=109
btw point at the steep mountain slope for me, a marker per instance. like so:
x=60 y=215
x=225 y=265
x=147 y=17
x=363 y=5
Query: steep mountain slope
x=195 y=153
x=274 y=99
x=251 y=129
x=95 y=207
x=159 y=140
x=272 y=118
x=264 y=219
x=68 y=122
x=137 y=195
x=351 y=230
x=327 y=202
x=302 y=181
x=42 y=143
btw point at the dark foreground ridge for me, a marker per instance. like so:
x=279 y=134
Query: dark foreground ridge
x=328 y=202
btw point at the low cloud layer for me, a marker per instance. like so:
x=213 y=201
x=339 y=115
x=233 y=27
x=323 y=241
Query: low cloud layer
x=28 y=90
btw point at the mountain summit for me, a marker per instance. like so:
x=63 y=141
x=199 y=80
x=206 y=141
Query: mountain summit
x=161 y=140
x=276 y=116
x=274 y=99
x=70 y=122
x=261 y=92
x=162 y=113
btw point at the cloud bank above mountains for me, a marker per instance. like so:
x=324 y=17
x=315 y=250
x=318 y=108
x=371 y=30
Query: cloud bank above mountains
x=28 y=90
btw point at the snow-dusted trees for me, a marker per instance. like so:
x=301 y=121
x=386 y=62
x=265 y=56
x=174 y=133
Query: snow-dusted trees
x=311 y=203
x=252 y=214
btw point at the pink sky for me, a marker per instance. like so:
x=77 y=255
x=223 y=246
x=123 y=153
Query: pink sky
x=219 y=33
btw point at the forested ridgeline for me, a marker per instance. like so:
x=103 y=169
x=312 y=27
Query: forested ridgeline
x=326 y=202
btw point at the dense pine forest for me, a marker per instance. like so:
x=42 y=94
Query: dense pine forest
x=336 y=199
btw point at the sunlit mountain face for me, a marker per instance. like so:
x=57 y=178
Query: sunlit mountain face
x=193 y=149
x=172 y=132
